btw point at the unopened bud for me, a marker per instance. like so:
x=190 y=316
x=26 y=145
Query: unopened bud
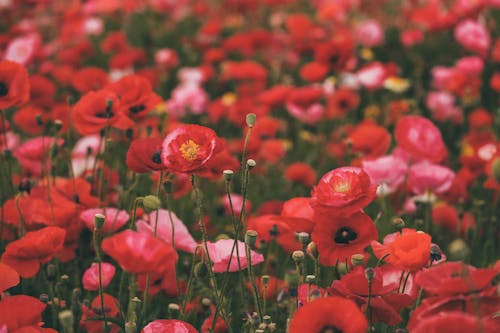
x=398 y=223
x=357 y=259
x=58 y=124
x=228 y=175
x=251 y=164
x=151 y=203
x=99 y=221
x=250 y=238
x=312 y=250
x=458 y=250
x=67 y=320
x=369 y=273
x=265 y=280
x=310 y=279
x=173 y=310
x=206 y=302
x=298 y=256
x=495 y=169
x=304 y=238
x=251 y=118
x=266 y=319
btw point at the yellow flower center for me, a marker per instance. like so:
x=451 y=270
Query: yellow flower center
x=189 y=150
x=341 y=187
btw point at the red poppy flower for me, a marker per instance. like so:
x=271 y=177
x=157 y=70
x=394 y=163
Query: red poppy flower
x=8 y=277
x=144 y=155
x=301 y=173
x=339 y=237
x=451 y=322
x=90 y=278
x=36 y=247
x=329 y=314
x=451 y=278
x=168 y=326
x=25 y=119
x=32 y=154
x=386 y=302
x=139 y=253
x=42 y=91
x=188 y=148
x=420 y=138
x=313 y=71
x=136 y=95
x=90 y=314
x=343 y=191
x=19 y=313
x=96 y=110
x=272 y=227
x=89 y=78
x=369 y=139
x=409 y=250
x=341 y=102
x=14 y=84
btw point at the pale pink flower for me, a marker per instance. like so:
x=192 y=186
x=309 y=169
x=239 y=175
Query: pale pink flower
x=93 y=26
x=84 y=153
x=473 y=36
x=32 y=153
x=182 y=238
x=471 y=66
x=13 y=141
x=237 y=201
x=388 y=172
x=308 y=115
x=442 y=106
x=22 y=49
x=90 y=278
x=369 y=33
x=371 y=76
x=114 y=218
x=220 y=254
x=187 y=98
x=191 y=75
x=425 y=177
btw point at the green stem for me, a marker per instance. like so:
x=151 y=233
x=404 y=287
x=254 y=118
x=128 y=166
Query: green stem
x=251 y=277
x=99 y=262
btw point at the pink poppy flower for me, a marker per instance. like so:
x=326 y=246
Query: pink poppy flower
x=442 y=106
x=473 y=36
x=308 y=114
x=419 y=137
x=470 y=66
x=425 y=177
x=411 y=37
x=84 y=154
x=369 y=33
x=220 y=254
x=32 y=154
x=371 y=76
x=187 y=98
x=441 y=75
x=182 y=238
x=22 y=49
x=168 y=325
x=90 y=278
x=388 y=172
x=114 y=218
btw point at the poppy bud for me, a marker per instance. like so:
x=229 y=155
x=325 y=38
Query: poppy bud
x=369 y=273
x=298 y=256
x=458 y=250
x=312 y=250
x=435 y=253
x=310 y=279
x=495 y=169
x=251 y=118
x=303 y=238
x=67 y=320
x=58 y=125
x=173 y=310
x=398 y=223
x=228 y=175
x=357 y=259
x=99 y=221
x=251 y=164
x=265 y=280
x=151 y=203
x=250 y=238
x=266 y=319
x=342 y=268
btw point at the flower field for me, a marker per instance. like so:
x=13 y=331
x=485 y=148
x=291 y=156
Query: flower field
x=250 y=166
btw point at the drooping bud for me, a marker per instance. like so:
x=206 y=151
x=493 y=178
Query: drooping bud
x=312 y=250
x=398 y=223
x=151 y=203
x=251 y=164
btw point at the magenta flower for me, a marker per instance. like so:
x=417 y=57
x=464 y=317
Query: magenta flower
x=387 y=171
x=425 y=177
x=90 y=278
x=473 y=36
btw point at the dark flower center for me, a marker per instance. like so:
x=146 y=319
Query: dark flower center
x=330 y=329
x=105 y=114
x=137 y=108
x=345 y=235
x=156 y=158
x=4 y=90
